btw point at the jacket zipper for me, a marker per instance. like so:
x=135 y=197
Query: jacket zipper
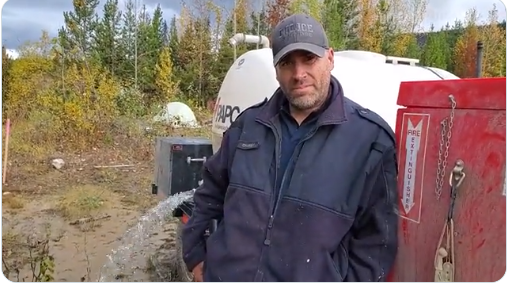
x=278 y=151
x=267 y=239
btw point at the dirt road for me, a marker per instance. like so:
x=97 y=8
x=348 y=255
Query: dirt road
x=70 y=219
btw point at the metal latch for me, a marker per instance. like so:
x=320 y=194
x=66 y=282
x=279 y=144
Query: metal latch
x=190 y=160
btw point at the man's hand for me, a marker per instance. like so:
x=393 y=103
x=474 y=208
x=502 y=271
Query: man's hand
x=197 y=271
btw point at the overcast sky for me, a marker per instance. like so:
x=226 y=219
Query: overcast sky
x=24 y=20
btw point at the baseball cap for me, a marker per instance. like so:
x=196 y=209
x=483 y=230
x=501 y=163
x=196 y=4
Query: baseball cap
x=298 y=32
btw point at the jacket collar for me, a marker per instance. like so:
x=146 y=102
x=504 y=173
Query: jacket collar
x=334 y=112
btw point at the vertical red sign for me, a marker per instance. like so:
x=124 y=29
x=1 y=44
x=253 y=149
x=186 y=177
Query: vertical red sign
x=412 y=153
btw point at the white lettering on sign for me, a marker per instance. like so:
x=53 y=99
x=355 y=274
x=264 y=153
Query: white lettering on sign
x=412 y=146
x=412 y=156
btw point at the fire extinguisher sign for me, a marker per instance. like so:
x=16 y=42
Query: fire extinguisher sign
x=412 y=153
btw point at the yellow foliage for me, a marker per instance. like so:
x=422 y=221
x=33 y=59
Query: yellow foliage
x=401 y=44
x=242 y=15
x=164 y=76
x=309 y=7
x=89 y=100
x=74 y=105
x=380 y=19
x=370 y=33
x=465 y=49
x=493 y=38
x=28 y=77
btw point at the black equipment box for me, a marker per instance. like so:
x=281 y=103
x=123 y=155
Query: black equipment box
x=179 y=163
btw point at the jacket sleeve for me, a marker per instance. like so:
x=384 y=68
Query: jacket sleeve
x=374 y=242
x=208 y=200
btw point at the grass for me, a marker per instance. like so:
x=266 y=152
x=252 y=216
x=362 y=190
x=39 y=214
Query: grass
x=26 y=140
x=107 y=176
x=85 y=201
x=12 y=201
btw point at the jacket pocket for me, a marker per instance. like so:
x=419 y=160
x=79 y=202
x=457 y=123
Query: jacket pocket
x=250 y=167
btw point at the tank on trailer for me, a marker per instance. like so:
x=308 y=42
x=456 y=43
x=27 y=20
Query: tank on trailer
x=371 y=79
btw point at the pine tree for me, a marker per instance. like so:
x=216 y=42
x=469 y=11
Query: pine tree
x=340 y=20
x=80 y=27
x=436 y=51
x=108 y=49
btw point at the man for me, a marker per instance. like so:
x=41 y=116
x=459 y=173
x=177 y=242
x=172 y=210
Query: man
x=304 y=185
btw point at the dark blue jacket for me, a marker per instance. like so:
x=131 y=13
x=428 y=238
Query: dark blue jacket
x=334 y=219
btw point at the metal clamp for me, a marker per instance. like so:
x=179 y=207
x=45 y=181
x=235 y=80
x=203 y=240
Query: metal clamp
x=458 y=175
x=190 y=160
x=455 y=180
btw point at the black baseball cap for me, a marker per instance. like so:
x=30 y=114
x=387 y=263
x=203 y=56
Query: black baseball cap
x=298 y=32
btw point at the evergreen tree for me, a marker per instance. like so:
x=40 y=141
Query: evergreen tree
x=436 y=51
x=128 y=41
x=77 y=36
x=340 y=20
x=174 y=43
x=109 y=51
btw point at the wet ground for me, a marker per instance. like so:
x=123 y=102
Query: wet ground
x=69 y=220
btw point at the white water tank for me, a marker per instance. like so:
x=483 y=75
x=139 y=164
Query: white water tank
x=370 y=79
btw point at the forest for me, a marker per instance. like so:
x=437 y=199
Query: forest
x=116 y=62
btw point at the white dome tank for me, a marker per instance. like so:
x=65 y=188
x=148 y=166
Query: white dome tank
x=370 y=79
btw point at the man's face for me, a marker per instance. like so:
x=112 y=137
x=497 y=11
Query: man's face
x=304 y=78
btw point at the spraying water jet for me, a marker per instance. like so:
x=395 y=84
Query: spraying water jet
x=179 y=163
x=125 y=263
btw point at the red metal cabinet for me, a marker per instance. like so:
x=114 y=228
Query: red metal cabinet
x=477 y=138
